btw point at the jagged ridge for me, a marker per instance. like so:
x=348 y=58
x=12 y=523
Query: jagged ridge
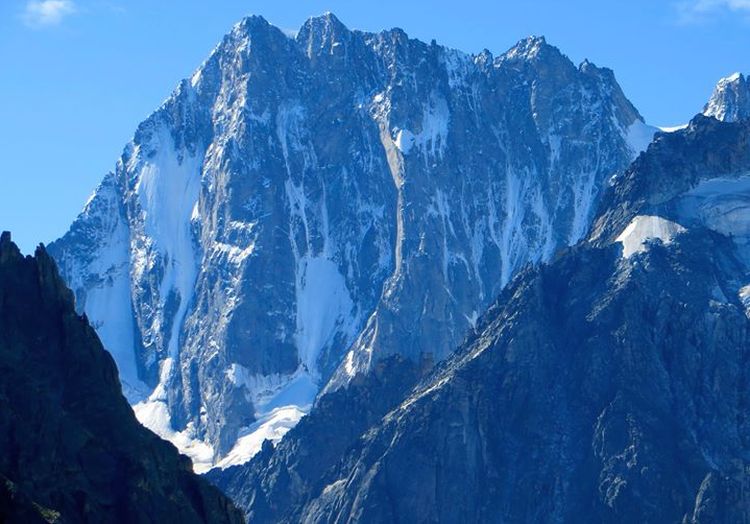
x=72 y=448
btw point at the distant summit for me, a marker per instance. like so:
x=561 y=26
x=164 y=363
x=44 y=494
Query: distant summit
x=730 y=100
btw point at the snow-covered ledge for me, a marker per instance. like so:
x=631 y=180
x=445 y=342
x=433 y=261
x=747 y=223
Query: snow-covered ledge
x=646 y=227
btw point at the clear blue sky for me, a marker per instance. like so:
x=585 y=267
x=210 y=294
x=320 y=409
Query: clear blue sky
x=77 y=76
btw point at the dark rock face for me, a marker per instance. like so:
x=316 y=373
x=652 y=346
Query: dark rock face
x=72 y=450
x=277 y=482
x=302 y=208
x=606 y=386
x=601 y=389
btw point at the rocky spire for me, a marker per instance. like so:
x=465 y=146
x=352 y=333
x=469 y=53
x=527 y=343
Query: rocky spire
x=730 y=100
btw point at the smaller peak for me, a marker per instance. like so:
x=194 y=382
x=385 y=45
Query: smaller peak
x=8 y=249
x=252 y=22
x=328 y=15
x=327 y=19
x=484 y=57
x=587 y=65
x=530 y=48
x=590 y=68
x=252 y=26
x=731 y=79
x=323 y=33
x=535 y=39
x=730 y=100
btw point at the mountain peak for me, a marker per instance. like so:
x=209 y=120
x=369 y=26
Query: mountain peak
x=321 y=34
x=7 y=248
x=730 y=100
x=325 y=23
x=5 y=238
x=529 y=48
x=251 y=23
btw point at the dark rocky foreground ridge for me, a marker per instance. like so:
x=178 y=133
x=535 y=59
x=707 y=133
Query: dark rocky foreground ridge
x=72 y=450
x=599 y=388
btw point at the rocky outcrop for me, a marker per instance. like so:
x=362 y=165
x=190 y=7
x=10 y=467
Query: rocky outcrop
x=72 y=448
x=301 y=208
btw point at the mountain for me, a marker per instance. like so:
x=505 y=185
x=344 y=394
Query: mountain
x=608 y=385
x=730 y=100
x=73 y=450
x=301 y=209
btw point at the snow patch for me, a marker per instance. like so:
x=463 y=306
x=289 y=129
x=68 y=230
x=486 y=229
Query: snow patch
x=672 y=129
x=280 y=402
x=324 y=307
x=404 y=140
x=105 y=277
x=272 y=426
x=432 y=139
x=168 y=190
x=744 y=295
x=638 y=136
x=721 y=204
x=643 y=228
x=153 y=413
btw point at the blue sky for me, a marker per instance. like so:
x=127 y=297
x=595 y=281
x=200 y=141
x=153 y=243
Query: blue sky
x=77 y=76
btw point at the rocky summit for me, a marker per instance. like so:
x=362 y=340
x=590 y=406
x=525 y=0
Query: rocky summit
x=607 y=385
x=730 y=100
x=303 y=209
x=72 y=449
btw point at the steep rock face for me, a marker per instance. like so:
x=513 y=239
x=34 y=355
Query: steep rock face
x=730 y=100
x=72 y=448
x=302 y=208
x=607 y=386
x=279 y=480
x=602 y=389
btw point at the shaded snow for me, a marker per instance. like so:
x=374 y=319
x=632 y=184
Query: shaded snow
x=644 y=228
x=323 y=307
x=280 y=402
x=108 y=310
x=404 y=140
x=153 y=413
x=271 y=426
x=721 y=204
x=167 y=190
x=638 y=136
